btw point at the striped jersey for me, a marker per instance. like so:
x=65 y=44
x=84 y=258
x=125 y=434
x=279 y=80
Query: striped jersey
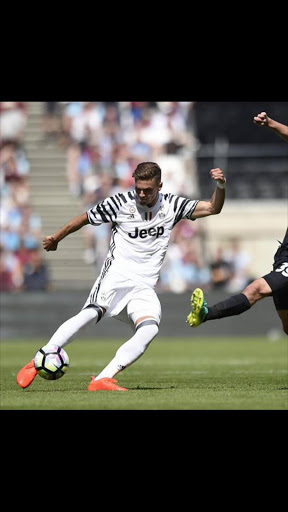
x=139 y=234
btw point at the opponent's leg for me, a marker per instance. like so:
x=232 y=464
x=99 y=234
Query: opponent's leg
x=280 y=299
x=234 y=305
x=283 y=315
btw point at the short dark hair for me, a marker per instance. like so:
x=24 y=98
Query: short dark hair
x=147 y=171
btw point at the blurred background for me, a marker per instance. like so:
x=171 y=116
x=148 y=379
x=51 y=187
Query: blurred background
x=59 y=158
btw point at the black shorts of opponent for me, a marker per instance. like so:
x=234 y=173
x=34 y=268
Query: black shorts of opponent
x=278 y=277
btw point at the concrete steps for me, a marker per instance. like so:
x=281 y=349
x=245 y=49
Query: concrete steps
x=51 y=199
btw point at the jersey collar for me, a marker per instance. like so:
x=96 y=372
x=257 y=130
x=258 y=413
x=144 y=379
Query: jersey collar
x=146 y=208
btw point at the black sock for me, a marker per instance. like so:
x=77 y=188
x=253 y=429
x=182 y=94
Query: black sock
x=234 y=305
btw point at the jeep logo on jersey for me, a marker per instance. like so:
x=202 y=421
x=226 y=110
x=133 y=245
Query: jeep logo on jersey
x=143 y=233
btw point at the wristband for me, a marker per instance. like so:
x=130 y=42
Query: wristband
x=221 y=185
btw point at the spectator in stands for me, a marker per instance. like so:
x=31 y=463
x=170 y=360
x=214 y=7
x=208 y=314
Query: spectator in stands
x=20 y=225
x=11 y=273
x=36 y=274
x=137 y=108
x=10 y=224
x=31 y=222
x=86 y=125
x=73 y=177
x=175 y=170
x=85 y=128
x=182 y=267
x=13 y=118
x=221 y=270
x=6 y=279
x=175 y=120
x=121 y=163
x=239 y=260
x=51 y=119
x=69 y=111
x=13 y=161
x=96 y=189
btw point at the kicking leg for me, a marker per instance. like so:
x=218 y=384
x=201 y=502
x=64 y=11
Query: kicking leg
x=64 y=334
x=72 y=327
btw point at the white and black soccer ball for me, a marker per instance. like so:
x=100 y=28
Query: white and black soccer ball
x=51 y=362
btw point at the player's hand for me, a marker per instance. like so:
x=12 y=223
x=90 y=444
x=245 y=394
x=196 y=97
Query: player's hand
x=49 y=244
x=261 y=119
x=217 y=174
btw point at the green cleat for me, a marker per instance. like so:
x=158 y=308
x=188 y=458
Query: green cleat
x=199 y=308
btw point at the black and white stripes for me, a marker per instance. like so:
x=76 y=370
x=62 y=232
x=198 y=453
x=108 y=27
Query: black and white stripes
x=107 y=210
x=180 y=208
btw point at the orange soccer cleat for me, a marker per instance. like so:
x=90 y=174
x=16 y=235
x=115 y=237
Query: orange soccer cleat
x=104 y=385
x=26 y=375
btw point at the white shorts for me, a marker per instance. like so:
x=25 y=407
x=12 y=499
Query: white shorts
x=124 y=299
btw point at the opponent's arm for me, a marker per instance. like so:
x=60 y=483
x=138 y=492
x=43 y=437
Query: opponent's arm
x=214 y=206
x=50 y=242
x=263 y=120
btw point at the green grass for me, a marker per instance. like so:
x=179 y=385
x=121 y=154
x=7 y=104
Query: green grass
x=179 y=374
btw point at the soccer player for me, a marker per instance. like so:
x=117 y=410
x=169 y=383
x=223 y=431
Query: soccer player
x=275 y=283
x=142 y=221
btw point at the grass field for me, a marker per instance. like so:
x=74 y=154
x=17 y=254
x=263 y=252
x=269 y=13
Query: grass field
x=178 y=374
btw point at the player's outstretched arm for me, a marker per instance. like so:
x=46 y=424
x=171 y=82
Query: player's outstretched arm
x=215 y=205
x=263 y=120
x=50 y=242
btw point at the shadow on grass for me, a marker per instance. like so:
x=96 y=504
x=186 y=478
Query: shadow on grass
x=82 y=390
x=144 y=389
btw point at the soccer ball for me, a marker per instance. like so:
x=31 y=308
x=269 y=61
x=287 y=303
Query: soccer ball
x=51 y=362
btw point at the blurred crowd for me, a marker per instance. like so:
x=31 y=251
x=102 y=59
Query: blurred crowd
x=104 y=142
x=21 y=264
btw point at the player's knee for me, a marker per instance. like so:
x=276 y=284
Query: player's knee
x=257 y=290
x=98 y=311
x=149 y=332
x=149 y=326
x=154 y=329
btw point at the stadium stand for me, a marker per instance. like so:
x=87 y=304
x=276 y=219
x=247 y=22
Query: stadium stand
x=51 y=198
x=229 y=139
x=20 y=236
x=73 y=154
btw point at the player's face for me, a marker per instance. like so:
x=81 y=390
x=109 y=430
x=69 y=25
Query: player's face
x=147 y=191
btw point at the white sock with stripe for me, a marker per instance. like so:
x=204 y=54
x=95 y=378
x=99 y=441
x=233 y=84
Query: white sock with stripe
x=132 y=349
